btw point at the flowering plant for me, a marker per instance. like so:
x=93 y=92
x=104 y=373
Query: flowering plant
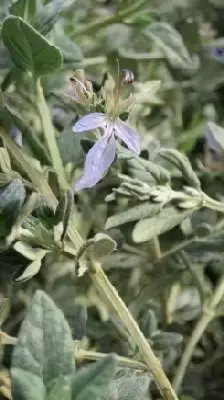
x=133 y=266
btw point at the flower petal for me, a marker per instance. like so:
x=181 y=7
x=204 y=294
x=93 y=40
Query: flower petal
x=98 y=160
x=128 y=135
x=90 y=122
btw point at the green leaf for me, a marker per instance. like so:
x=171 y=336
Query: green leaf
x=63 y=211
x=12 y=198
x=169 y=217
x=181 y=162
x=143 y=210
x=149 y=323
x=29 y=50
x=35 y=254
x=128 y=385
x=71 y=51
x=60 y=390
x=5 y=164
x=102 y=245
x=23 y=383
x=24 y=8
x=92 y=381
x=99 y=246
x=165 y=340
x=171 y=43
x=70 y=147
x=44 y=351
x=49 y=14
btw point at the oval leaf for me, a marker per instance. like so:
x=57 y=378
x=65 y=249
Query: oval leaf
x=29 y=50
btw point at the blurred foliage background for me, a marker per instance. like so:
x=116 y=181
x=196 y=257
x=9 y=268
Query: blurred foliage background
x=176 y=51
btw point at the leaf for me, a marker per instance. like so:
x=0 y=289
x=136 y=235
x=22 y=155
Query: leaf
x=99 y=246
x=49 y=14
x=63 y=212
x=143 y=210
x=70 y=50
x=149 y=323
x=165 y=340
x=34 y=267
x=169 y=217
x=128 y=386
x=29 y=50
x=70 y=147
x=5 y=164
x=102 y=245
x=60 y=390
x=181 y=162
x=44 y=351
x=23 y=384
x=171 y=44
x=12 y=198
x=92 y=381
x=24 y=8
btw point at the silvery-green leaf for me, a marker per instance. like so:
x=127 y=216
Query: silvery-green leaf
x=33 y=268
x=49 y=15
x=12 y=198
x=140 y=211
x=165 y=340
x=71 y=51
x=70 y=147
x=60 y=390
x=99 y=246
x=128 y=385
x=149 y=323
x=102 y=245
x=44 y=351
x=5 y=164
x=91 y=382
x=148 y=228
x=181 y=162
x=171 y=44
x=29 y=50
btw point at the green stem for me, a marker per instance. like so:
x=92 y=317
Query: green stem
x=81 y=355
x=95 y=26
x=49 y=135
x=196 y=278
x=175 y=249
x=109 y=293
x=209 y=313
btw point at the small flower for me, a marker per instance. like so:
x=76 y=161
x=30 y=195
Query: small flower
x=217 y=53
x=16 y=136
x=102 y=154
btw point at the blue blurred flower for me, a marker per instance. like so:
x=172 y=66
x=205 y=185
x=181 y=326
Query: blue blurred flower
x=16 y=136
x=102 y=154
x=218 y=53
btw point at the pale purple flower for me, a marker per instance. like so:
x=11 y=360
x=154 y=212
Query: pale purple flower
x=218 y=53
x=102 y=154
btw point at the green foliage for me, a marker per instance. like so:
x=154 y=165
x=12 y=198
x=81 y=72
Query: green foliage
x=29 y=50
x=43 y=364
x=44 y=352
x=24 y=8
x=91 y=383
x=153 y=222
x=49 y=14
